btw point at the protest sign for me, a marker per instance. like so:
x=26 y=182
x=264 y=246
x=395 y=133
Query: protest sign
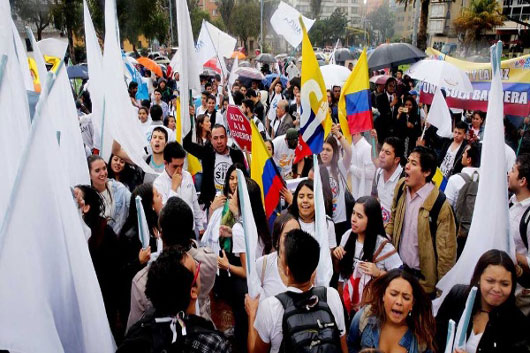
x=239 y=127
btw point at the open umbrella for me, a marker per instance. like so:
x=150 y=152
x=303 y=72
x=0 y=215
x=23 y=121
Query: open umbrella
x=393 y=55
x=249 y=72
x=239 y=55
x=208 y=72
x=77 y=71
x=380 y=79
x=343 y=54
x=150 y=65
x=334 y=75
x=266 y=58
x=442 y=74
x=212 y=64
x=244 y=64
x=271 y=77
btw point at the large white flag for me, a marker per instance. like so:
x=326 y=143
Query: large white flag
x=325 y=266
x=251 y=235
x=187 y=63
x=50 y=300
x=102 y=136
x=119 y=112
x=60 y=107
x=213 y=42
x=14 y=110
x=22 y=57
x=440 y=116
x=285 y=22
x=486 y=232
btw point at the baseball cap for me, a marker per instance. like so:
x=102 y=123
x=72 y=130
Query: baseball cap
x=292 y=134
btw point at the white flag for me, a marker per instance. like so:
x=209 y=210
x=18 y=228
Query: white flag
x=285 y=22
x=251 y=235
x=143 y=228
x=22 y=57
x=486 y=232
x=325 y=267
x=440 y=116
x=465 y=319
x=50 y=290
x=60 y=107
x=38 y=57
x=14 y=109
x=233 y=76
x=119 y=112
x=188 y=69
x=213 y=42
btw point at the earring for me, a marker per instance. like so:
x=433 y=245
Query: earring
x=410 y=313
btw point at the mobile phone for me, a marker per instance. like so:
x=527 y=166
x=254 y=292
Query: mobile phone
x=405 y=110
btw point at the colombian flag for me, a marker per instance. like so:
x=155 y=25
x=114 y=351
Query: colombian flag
x=263 y=171
x=355 y=110
x=194 y=165
x=315 y=123
x=439 y=180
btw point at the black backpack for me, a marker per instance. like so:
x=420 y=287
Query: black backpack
x=308 y=323
x=465 y=203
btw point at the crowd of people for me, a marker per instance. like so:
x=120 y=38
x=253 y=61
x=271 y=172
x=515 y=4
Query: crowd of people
x=392 y=233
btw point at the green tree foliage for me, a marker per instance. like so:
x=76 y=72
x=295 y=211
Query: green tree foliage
x=36 y=12
x=196 y=16
x=381 y=23
x=245 y=20
x=480 y=16
x=225 y=8
x=316 y=7
x=327 y=31
x=147 y=17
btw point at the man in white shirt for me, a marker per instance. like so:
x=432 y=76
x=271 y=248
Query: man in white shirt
x=298 y=261
x=284 y=152
x=471 y=164
x=519 y=184
x=174 y=181
x=388 y=174
x=158 y=101
x=362 y=167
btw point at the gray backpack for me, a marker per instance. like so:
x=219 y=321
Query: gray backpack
x=465 y=203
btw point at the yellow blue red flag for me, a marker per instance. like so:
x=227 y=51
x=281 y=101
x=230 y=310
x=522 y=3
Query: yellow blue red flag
x=355 y=108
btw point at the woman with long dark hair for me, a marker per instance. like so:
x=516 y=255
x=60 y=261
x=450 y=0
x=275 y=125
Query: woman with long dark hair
x=337 y=166
x=408 y=124
x=124 y=172
x=103 y=247
x=496 y=324
x=364 y=247
x=397 y=317
x=203 y=132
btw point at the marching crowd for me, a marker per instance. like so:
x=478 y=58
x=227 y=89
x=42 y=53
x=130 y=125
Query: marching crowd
x=392 y=233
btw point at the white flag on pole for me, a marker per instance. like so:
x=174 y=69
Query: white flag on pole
x=233 y=76
x=143 y=228
x=285 y=22
x=325 y=267
x=486 y=232
x=251 y=235
x=22 y=57
x=213 y=42
x=52 y=294
x=188 y=69
x=440 y=116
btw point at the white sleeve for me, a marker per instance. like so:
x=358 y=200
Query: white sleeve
x=451 y=191
x=264 y=320
x=344 y=239
x=337 y=310
x=238 y=238
x=331 y=235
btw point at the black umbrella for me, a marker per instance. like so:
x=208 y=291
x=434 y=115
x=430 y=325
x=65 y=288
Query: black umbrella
x=343 y=54
x=393 y=55
x=266 y=58
x=77 y=71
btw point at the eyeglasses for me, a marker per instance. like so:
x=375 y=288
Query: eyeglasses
x=197 y=269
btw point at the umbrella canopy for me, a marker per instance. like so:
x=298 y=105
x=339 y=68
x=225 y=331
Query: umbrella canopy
x=77 y=71
x=244 y=64
x=334 y=75
x=343 y=54
x=208 y=72
x=393 y=55
x=281 y=56
x=442 y=74
x=271 y=77
x=380 y=79
x=266 y=58
x=249 y=72
x=239 y=55
x=212 y=64
x=150 y=65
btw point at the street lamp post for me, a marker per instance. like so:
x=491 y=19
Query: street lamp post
x=261 y=27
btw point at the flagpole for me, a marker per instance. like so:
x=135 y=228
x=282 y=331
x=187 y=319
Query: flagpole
x=216 y=50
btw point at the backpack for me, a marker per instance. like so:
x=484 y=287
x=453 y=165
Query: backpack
x=308 y=323
x=151 y=335
x=465 y=203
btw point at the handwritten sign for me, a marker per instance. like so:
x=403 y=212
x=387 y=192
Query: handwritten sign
x=239 y=127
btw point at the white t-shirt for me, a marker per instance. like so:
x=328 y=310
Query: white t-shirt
x=269 y=317
x=310 y=228
x=238 y=238
x=473 y=341
x=455 y=184
x=271 y=282
x=221 y=165
x=449 y=160
x=108 y=201
x=385 y=191
x=277 y=97
x=337 y=190
x=283 y=155
x=391 y=262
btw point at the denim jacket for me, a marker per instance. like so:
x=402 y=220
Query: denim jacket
x=365 y=330
x=121 y=197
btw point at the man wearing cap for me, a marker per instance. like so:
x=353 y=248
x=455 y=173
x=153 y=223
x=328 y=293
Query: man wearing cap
x=284 y=152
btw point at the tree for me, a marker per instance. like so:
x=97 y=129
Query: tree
x=36 y=12
x=244 y=22
x=480 y=16
x=328 y=30
x=424 y=18
x=382 y=21
x=225 y=8
x=68 y=18
x=316 y=7
x=197 y=16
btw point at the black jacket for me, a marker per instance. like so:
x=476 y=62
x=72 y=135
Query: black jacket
x=206 y=154
x=508 y=330
x=457 y=165
x=385 y=123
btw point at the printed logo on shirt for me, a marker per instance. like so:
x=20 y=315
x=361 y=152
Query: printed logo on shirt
x=334 y=192
x=220 y=174
x=386 y=215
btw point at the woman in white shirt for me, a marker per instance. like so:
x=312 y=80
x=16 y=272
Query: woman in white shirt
x=364 y=251
x=267 y=266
